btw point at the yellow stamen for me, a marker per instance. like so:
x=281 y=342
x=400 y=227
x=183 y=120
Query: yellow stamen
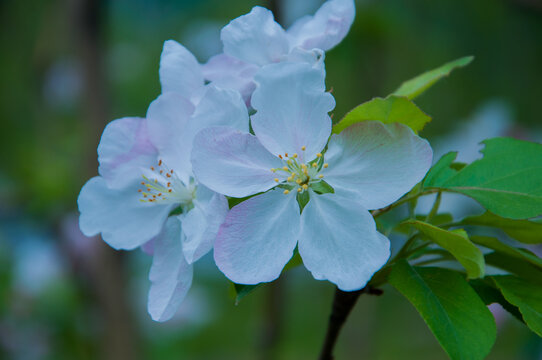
x=319 y=155
x=298 y=189
x=314 y=165
x=298 y=181
x=305 y=186
x=286 y=192
x=321 y=176
x=294 y=155
x=326 y=165
x=285 y=168
x=276 y=180
x=303 y=148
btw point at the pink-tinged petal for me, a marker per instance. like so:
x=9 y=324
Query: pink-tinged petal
x=124 y=221
x=292 y=109
x=258 y=238
x=377 y=162
x=326 y=28
x=148 y=247
x=233 y=163
x=180 y=72
x=255 y=38
x=124 y=150
x=227 y=72
x=200 y=225
x=170 y=275
x=338 y=241
x=168 y=119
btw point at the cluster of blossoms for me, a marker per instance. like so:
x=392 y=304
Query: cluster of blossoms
x=164 y=179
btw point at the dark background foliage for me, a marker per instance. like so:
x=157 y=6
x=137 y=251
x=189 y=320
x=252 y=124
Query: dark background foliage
x=70 y=66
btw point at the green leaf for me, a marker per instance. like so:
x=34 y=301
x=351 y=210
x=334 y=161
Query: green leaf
x=389 y=110
x=441 y=171
x=526 y=296
x=494 y=244
x=514 y=265
x=507 y=181
x=438 y=219
x=457 y=243
x=414 y=87
x=488 y=292
x=528 y=232
x=458 y=318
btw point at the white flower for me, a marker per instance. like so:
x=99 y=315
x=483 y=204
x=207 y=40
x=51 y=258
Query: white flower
x=369 y=166
x=146 y=174
x=255 y=39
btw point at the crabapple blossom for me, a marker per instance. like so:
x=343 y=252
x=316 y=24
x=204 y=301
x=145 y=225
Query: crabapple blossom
x=146 y=174
x=369 y=165
x=255 y=39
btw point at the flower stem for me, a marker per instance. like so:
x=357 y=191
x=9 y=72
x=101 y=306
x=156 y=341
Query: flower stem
x=343 y=303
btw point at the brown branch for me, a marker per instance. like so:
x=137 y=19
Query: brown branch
x=343 y=303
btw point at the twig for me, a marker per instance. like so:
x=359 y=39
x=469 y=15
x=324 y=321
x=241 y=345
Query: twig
x=343 y=303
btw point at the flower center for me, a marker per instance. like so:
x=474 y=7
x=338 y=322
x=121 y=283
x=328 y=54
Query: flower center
x=300 y=176
x=163 y=185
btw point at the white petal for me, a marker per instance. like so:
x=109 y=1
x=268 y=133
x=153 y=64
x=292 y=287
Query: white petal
x=233 y=163
x=258 y=238
x=168 y=119
x=218 y=107
x=255 y=38
x=339 y=242
x=124 y=221
x=227 y=72
x=292 y=109
x=380 y=163
x=326 y=28
x=314 y=57
x=200 y=225
x=124 y=150
x=180 y=72
x=170 y=275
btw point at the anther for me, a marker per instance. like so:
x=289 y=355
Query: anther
x=143 y=183
x=286 y=154
x=152 y=168
x=168 y=184
x=285 y=168
x=290 y=178
x=294 y=155
x=298 y=181
x=273 y=169
x=319 y=155
x=321 y=176
x=299 y=190
x=326 y=165
x=169 y=190
x=314 y=165
x=280 y=156
x=160 y=162
x=168 y=175
x=171 y=171
x=286 y=192
x=305 y=186
x=139 y=190
x=303 y=148
x=276 y=180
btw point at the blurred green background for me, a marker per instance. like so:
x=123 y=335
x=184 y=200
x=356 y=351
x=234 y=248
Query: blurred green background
x=70 y=66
